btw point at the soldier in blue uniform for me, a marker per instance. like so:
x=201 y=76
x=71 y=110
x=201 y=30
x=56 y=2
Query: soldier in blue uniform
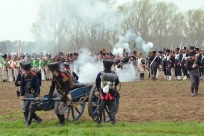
x=183 y=63
x=193 y=67
x=177 y=64
x=107 y=96
x=154 y=63
x=61 y=83
x=29 y=88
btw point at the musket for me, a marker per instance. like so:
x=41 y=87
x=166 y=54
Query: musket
x=195 y=43
x=171 y=45
x=202 y=44
x=189 y=44
x=180 y=45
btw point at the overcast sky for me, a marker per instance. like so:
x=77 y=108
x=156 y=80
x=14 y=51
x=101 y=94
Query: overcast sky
x=17 y=16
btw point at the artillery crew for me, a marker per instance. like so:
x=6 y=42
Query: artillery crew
x=29 y=88
x=62 y=84
x=106 y=82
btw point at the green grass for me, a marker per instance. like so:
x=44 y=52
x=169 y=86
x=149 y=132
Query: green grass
x=88 y=128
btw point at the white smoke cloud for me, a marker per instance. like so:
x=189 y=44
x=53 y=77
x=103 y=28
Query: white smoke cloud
x=87 y=69
x=97 y=13
x=131 y=37
x=147 y=47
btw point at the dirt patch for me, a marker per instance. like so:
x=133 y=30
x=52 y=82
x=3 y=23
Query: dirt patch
x=141 y=101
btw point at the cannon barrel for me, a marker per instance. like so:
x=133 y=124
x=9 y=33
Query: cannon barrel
x=41 y=99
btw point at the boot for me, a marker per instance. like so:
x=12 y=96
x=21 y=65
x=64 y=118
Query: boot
x=25 y=116
x=3 y=81
x=29 y=119
x=58 y=115
x=6 y=80
x=179 y=78
x=61 y=120
x=142 y=76
x=99 y=118
x=36 y=117
x=196 y=91
x=192 y=92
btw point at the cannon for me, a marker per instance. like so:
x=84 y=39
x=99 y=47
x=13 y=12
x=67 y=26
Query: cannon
x=80 y=94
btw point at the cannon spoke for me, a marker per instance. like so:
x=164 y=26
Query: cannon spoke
x=77 y=110
x=72 y=113
x=95 y=111
x=68 y=112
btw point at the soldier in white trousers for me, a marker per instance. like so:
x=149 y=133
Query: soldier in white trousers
x=10 y=69
x=15 y=67
x=4 y=68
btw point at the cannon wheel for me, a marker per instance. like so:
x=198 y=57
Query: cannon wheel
x=93 y=105
x=74 y=112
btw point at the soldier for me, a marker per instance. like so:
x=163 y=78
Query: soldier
x=141 y=65
x=198 y=58
x=4 y=68
x=168 y=64
x=107 y=96
x=160 y=64
x=41 y=64
x=133 y=58
x=202 y=61
x=177 y=64
x=62 y=85
x=29 y=88
x=34 y=61
x=15 y=67
x=48 y=73
x=183 y=63
x=10 y=68
x=193 y=68
x=154 y=62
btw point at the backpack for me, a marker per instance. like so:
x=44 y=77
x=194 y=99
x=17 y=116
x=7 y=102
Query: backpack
x=68 y=75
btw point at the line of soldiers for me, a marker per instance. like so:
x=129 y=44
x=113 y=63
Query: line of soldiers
x=168 y=63
x=174 y=63
x=10 y=66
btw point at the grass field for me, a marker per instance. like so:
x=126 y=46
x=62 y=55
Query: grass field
x=146 y=108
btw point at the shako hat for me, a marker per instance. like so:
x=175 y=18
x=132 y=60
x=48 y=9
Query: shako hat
x=167 y=50
x=4 y=56
x=154 y=52
x=53 y=66
x=192 y=47
x=26 y=65
x=107 y=63
x=197 y=49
